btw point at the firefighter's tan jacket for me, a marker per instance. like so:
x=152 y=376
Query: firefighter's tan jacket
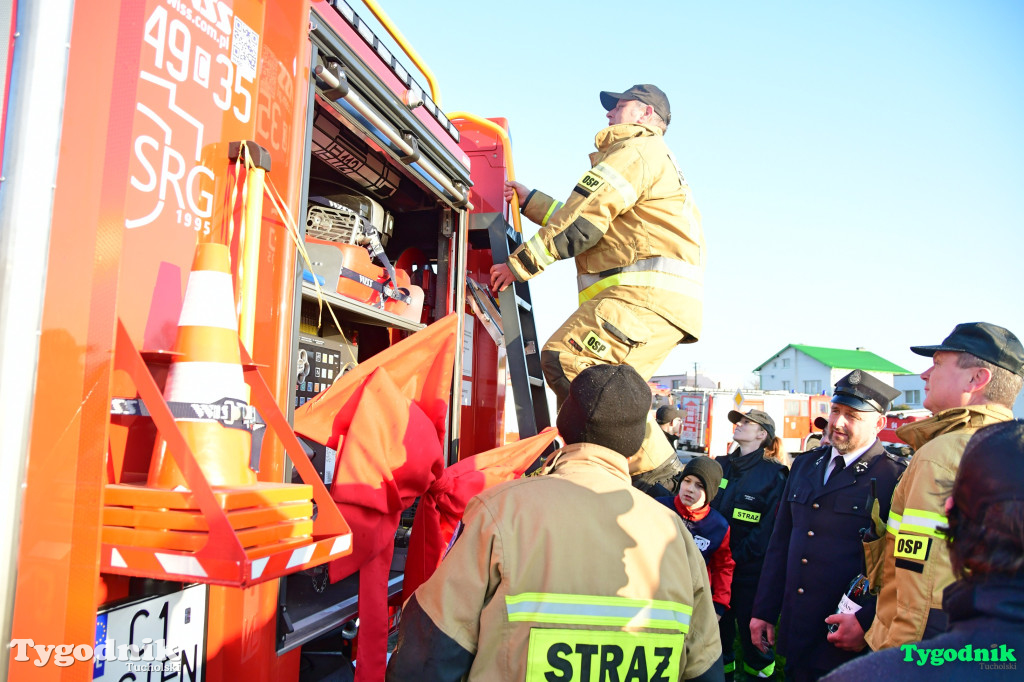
x=632 y=226
x=558 y=572
x=917 y=567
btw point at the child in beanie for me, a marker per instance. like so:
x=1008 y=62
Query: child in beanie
x=709 y=528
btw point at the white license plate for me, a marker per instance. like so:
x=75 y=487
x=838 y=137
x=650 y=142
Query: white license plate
x=158 y=638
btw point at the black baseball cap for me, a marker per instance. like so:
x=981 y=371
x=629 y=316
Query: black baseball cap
x=643 y=92
x=758 y=417
x=666 y=413
x=821 y=423
x=992 y=468
x=983 y=340
x=864 y=392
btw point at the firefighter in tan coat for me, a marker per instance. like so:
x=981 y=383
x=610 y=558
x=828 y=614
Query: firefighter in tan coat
x=635 y=232
x=620 y=592
x=975 y=377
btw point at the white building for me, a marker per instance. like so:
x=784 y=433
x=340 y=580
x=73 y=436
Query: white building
x=814 y=370
x=681 y=381
x=912 y=386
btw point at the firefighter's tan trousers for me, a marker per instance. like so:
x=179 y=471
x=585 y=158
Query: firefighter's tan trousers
x=612 y=331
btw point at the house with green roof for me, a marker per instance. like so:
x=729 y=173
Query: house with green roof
x=814 y=369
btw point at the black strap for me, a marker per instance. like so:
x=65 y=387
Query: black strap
x=228 y=412
x=386 y=290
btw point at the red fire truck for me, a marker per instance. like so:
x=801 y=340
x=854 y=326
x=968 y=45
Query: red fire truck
x=896 y=419
x=351 y=215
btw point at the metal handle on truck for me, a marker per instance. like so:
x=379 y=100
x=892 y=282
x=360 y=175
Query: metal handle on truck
x=394 y=136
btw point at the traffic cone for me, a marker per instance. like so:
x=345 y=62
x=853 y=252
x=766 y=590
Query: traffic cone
x=205 y=386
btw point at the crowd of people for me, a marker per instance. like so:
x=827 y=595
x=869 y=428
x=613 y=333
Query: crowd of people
x=575 y=574
x=617 y=562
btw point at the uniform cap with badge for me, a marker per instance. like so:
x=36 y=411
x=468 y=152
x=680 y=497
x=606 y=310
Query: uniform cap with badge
x=644 y=93
x=864 y=392
x=760 y=418
x=983 y=340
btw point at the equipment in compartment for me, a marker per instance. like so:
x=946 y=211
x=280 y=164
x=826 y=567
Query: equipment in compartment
x=348 y=218
x=345 y=233
x=349 y=268
x=320 y=363
x=352 y=158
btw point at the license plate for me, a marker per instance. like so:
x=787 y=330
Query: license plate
x=157 y=638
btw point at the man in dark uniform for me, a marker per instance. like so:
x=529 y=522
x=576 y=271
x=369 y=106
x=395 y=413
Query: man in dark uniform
x=815 y=550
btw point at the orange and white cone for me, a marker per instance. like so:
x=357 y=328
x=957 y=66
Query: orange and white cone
x=205 y=386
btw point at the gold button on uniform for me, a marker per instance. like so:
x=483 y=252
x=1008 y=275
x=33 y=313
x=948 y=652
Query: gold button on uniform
x=800 y=590
x=816 y=505
x=810 y=533
x=803 y=561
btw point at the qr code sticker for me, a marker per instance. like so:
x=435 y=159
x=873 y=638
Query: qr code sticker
x=244 y=45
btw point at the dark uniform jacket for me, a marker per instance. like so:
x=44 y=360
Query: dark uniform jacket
x=748 y=498
x=986 y=622
x=816 y=550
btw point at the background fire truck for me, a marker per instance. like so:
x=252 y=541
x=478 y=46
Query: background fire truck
x=348 y=213
x=706 y=427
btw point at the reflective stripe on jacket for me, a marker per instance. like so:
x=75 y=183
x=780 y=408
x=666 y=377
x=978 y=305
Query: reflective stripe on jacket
x=917 y=567
x=630 y=223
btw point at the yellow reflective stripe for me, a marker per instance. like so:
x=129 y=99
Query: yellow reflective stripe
x=540 y=253
x=764 y=672
x=572 y=609
x=924 y=522
x=654 y=280
x=555 y=205
x=723 y=484
x=894 y=522
x=615 y=179
x=668 y=266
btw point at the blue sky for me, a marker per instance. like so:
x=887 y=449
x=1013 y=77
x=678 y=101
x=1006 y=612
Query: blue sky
x=859 y=166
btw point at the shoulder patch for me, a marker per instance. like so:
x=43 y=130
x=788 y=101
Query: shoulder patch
x=902 y=461
x=589 y=183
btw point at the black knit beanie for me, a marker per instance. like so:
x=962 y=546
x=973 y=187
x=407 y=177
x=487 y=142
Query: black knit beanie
x=708 y=471
x=607 y=405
